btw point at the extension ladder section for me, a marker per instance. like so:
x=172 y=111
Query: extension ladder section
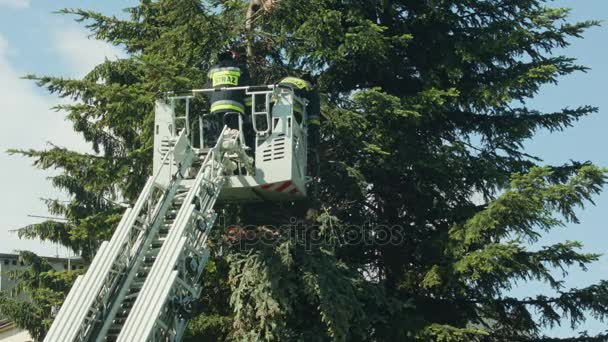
x=164 y=305
x=90 y=299
x=136 y=275
x=142 y=284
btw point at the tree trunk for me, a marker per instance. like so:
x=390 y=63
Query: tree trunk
x=252 y=13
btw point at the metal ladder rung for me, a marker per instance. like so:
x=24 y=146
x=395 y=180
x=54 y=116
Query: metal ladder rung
x=131 y=296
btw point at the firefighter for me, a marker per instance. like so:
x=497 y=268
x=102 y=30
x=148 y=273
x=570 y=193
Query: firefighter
x=227 y=73
x=303 y=87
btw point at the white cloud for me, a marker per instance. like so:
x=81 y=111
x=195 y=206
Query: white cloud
x=27 y=122
x=80 y=52
x=17 y=4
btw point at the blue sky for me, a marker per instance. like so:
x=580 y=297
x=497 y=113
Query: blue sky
x=586 y=141
x=34 y=40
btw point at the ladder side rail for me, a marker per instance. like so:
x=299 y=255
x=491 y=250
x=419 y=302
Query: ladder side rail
x=160 y=270
x=151 y=213
x=141 y=309
x=144 y=239
x=101 y=282
x=56 y=328
x=197 y=241
x=160 y=294
x=148 y=207
x=147 y=238
x=73 y=311
x=154 y=297
x=73 y=320
x=122 y=257
x=194 y=241
x=164 y=291
x=148 y=313
x=133 y=267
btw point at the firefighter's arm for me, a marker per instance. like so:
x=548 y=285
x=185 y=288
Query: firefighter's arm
x=314 y=108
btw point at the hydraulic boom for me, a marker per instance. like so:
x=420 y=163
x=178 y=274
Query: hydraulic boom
x=142 y=283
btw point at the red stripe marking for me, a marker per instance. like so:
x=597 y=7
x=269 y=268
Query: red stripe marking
x=293 y=191
x=283 y=186
x=267 y=186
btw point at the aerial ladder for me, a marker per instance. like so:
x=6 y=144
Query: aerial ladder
x=142 y=284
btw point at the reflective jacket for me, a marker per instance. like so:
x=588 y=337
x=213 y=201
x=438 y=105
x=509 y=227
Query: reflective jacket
x=227 y=74
x=304 y=89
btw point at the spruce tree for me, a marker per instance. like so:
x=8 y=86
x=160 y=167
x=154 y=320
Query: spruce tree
x=424 y=106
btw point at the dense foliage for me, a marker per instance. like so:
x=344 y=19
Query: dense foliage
x=43 y=286
x=428 y=202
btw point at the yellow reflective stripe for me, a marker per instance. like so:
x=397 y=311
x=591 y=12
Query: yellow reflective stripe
x=248 y=101
x=225 y=68
x=216 y=108
x=298 y=82
x=314 y=121
x=229 y=69
x=226 y=72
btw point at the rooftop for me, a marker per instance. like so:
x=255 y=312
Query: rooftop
x=51 y=259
